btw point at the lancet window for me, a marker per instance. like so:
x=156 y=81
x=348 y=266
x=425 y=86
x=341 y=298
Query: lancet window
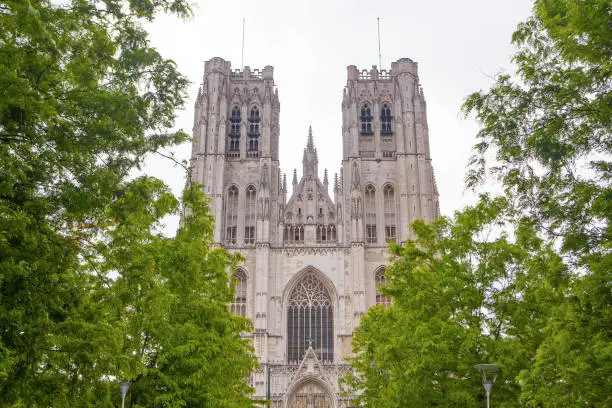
x=380 y=280
x=389 y=211
x=326 y=234
x=310 y=320
x=239 y=305
x=294 y=234
x=250 y=215
x=231 y=215
x=385 y=120
x=254 y=119
x=234 y=133
x=366 y=120
x=370 y=214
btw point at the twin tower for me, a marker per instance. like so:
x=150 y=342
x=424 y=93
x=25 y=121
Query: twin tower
x=314 y=254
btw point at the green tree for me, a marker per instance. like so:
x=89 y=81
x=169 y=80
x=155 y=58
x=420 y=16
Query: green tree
x=460 y=297
x=522 y=280
x=550 y=131
x=90 y=291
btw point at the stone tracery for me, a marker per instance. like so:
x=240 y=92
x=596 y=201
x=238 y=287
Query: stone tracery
x=310 y=319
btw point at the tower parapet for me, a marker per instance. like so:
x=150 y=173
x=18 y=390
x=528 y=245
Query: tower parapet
x=217 y=64
x=404 y=66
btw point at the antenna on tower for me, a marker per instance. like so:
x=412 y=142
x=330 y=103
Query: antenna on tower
x=379 y=58
x=242 y=56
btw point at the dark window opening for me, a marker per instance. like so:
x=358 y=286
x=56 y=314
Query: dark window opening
x=234 y=133
x=366 y=120
x=385 y=120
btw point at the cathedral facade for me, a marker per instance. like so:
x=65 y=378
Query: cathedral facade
x=314 y=253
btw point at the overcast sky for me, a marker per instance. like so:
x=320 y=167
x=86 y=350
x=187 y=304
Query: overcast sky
x=459 y=46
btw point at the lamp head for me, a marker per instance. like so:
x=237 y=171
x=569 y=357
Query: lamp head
x=125 y=386
x=489 y=374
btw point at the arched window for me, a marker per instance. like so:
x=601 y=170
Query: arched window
x=385 y=120
x=238 y=307
x=234 y=133
x=389 y=208
x=370 y=214
x=366 y=120
x=250 y=215
x=231 y=215
x=310 y=320
x=254 y=116
x=380 y=280
x=254 y=119
x=326 y=234
x=294 y=234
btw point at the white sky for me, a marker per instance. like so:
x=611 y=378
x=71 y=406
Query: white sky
x=459 y=46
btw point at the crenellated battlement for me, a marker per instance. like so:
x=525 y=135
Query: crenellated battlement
x=401 y=66
x=249 y=74
x=219 y=65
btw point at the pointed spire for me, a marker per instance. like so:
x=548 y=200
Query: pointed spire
x=340 y=187
x=280 y=179
x=294 y=177
x=325 y=180
x=310 y=144
x=285 y=182
x=336 y=182
x=310 y=161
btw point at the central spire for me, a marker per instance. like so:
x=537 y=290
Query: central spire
x=310 y=143
x=310 y=161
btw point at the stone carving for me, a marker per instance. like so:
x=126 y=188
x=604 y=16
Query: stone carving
x=264 y=204
x=355 y=173
x=356 y=207
x=265 y=176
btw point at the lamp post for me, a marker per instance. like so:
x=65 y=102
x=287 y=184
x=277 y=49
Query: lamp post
x=489 y=375
x=125 y=386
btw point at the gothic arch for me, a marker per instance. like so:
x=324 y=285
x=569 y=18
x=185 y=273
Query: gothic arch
x=370 y=207
x=329 y=285
x=240 y=280
x=379 y=279
x=296 y=313
x=242 y=269
x=230 y=218
x=366 y=118
x=390 y=212
x=250 y=213
x=302 y=384
x=254 y=111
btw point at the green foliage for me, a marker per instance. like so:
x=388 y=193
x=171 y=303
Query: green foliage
x=550 y=127
x=522 y=280
x=461 y=295
x=90 y=291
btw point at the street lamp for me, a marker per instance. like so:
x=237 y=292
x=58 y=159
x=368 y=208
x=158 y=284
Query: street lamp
x=125 y=386
x=489 y=375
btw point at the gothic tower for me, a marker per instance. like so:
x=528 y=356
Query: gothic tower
x=312 y=264
x=389 y=180
x=236 y=129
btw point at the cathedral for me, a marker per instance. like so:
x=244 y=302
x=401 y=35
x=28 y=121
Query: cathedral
x=314 y=253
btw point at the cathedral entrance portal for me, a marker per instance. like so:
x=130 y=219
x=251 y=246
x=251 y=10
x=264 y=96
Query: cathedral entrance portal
x=310 y=395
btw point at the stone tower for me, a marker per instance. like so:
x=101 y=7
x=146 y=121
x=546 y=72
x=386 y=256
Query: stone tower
x=236 y=129
x=313 y=263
